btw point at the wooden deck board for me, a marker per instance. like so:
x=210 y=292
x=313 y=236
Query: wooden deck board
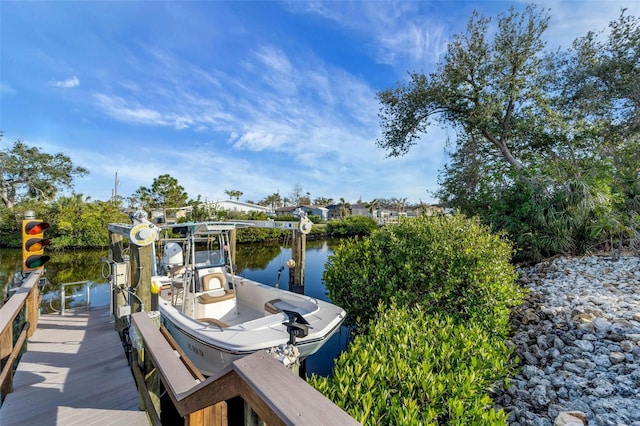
x=73 y=373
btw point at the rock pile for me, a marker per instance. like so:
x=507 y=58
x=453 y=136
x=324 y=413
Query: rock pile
x=578 y=337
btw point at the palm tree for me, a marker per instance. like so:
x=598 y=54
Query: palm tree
x=234 y=193
x=344 y=209
x=372 y=205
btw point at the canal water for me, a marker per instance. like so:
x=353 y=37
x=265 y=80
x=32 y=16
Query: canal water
x=259 y=262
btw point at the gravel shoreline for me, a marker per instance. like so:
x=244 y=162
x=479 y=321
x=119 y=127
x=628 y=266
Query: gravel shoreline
x=578 y=339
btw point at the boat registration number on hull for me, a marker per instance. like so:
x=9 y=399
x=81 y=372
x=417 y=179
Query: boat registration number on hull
x=195 y=350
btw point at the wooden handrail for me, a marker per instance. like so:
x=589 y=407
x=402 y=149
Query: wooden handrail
x=264 y=383
x=6 y=382
x=25 y=296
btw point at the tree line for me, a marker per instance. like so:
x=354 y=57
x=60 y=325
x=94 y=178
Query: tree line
x=31 y=180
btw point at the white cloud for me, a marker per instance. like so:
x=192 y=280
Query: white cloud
x=569 y=22
x=118 y=108
x=401 y=34
x=6 y=89
x=67 y=84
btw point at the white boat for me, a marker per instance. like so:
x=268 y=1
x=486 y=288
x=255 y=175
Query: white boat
x=217 y=317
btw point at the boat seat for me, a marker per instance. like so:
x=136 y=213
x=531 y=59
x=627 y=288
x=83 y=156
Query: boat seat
x=276 y=306
x=175 y=274
x=214 y=321
x=176 y=270
x=271 y=307
x=207 y=298
x=214 y=289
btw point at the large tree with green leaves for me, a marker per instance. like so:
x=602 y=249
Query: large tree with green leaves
x=30 y=173
x=77 y=221
x=560 y=127
x=599 y=94
x=483 y=88
x=165 y=192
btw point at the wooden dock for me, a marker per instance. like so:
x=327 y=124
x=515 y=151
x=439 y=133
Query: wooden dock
x=74 y=372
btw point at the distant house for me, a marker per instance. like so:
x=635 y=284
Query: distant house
x=359 y=210
x=335 y=210
x=169 y=214
x=320 y=211
x=237 y=206
x=286 y=210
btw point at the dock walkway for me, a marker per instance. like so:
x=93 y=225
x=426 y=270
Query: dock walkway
x=74 y=372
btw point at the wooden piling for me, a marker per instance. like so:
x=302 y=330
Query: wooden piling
x=298 y=247
x=140 y=273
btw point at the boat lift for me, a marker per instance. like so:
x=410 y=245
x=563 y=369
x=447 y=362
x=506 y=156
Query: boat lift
x=133 y=274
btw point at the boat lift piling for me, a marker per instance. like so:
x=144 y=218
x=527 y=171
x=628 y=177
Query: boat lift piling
x=296 y=274
x=300 y=230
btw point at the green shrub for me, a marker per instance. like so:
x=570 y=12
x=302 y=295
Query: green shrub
x=450 y=264
x=352 y=225
x=254 y=235
x=414 y=368
x=315 y=218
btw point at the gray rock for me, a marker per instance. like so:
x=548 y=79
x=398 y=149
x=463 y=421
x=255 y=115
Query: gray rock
x=601 y=360
x=579 y=342
x=569 y=419
x=584 y=345
x=616 y=357
x=529 y=371
x=601 y=325
x=572 y=368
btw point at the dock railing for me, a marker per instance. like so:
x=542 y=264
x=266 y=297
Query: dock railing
x=18 y=321
x=274 y=393
x=64 y=296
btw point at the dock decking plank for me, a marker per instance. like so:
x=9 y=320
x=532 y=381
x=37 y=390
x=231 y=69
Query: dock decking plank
x=74 y=373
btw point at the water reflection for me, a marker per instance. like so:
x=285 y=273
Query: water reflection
x=260 y=262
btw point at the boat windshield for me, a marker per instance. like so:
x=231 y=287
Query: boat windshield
x=209 y=258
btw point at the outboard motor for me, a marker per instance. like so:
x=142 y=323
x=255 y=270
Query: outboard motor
x=172 y=255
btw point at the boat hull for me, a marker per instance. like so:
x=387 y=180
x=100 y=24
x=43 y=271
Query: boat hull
x=212 y=347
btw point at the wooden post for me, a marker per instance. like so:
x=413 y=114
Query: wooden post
x=140 y=273
x=151 y=373
x=6 y=343
x=298 y=247
x=32 y=309
x=115 y=247
x=6 y=348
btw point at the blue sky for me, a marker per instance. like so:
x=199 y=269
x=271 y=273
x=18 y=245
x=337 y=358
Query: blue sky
x=237 y=95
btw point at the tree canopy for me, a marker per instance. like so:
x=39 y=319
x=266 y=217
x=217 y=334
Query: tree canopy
x=483 y=87
x=234 y=193
x=165 y=192
x=29 y=173
x=561 y=127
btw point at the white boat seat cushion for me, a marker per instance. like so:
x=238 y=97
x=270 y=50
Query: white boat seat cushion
x=213 y=286
x=214 y=281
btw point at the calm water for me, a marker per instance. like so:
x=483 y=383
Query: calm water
x=260 y=262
